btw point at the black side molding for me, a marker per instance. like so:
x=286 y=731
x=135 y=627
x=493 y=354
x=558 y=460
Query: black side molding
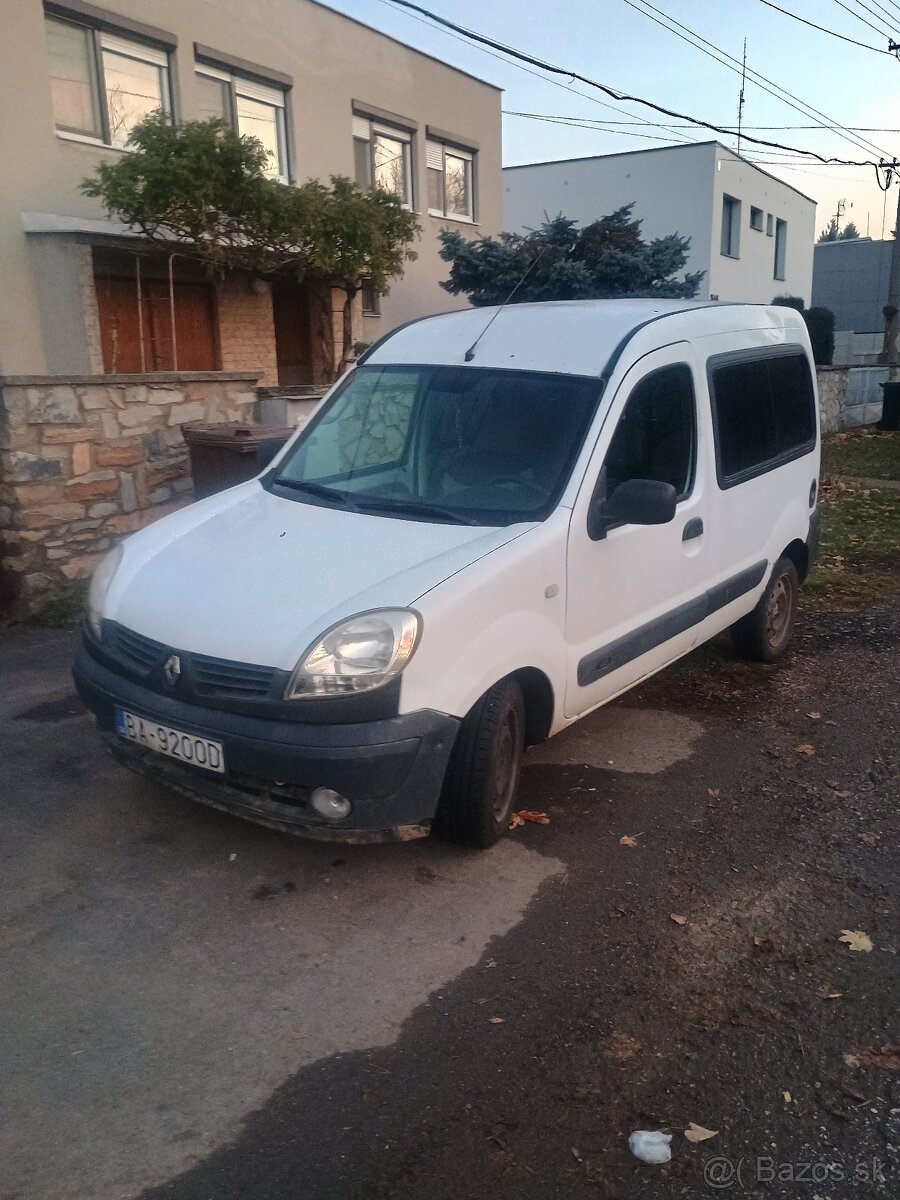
x=624 y=649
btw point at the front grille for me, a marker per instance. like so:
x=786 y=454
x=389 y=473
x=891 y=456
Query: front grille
x=219 y=677
x=141 y=654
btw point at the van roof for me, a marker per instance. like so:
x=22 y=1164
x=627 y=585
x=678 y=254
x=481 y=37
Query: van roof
x=572 y=337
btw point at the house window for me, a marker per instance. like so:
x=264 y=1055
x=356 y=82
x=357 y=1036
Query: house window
x=780 y=248
x=253 y=109
x=371 y=301
x=756 y=218
x=102 y=84
x=731 y=227
x=769 y=225
x=451 y=190
x=382 y=157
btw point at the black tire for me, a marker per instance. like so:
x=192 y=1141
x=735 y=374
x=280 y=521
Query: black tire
x=482 y=778
x=765 y=633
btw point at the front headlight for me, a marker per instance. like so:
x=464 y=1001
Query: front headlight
x=356 y=655
x=100 y=582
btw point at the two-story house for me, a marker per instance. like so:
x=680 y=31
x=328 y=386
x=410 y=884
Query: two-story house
x=751 y=234
x=325 y=94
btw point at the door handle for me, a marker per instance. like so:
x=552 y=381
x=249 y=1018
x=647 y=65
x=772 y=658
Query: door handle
x=693 y=529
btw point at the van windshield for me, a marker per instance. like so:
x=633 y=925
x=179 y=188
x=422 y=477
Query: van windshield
x=451 y=444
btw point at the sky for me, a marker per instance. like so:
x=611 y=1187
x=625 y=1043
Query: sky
x=613 y=43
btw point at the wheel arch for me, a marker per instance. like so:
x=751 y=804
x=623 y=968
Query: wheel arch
x=798 y=552
x=540 y=703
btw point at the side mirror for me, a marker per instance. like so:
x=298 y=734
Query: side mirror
x=634 y=502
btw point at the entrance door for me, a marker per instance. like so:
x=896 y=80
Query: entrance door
x=631 y=592
x=293 y=335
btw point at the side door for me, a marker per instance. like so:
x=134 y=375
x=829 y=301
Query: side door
x=635 y=591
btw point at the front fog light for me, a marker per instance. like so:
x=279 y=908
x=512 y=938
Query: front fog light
x=330 y=805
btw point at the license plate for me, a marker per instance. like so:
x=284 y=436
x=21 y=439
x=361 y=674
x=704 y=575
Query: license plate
x=186 y=747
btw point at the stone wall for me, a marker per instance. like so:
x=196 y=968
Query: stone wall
x=849 y=396
x=84 y=461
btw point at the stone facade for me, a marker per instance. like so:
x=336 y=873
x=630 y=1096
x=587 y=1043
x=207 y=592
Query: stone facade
x=84 y=461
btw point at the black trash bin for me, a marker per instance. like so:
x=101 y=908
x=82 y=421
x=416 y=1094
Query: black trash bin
x=890 y=413
x=229 y=453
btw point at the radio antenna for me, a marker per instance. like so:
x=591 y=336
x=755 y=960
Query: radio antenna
x=470 y=353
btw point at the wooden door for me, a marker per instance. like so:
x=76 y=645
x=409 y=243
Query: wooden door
x=121 y=329
x=293 y=337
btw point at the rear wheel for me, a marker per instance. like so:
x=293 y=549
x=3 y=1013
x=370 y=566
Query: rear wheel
x=483 y=774
x=765 y=633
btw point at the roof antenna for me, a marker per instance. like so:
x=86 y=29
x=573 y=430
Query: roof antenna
x=470 y=353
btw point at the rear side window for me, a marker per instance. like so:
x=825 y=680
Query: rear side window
x=764 y=413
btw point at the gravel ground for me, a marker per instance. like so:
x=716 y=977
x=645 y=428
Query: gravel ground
x=695 y=977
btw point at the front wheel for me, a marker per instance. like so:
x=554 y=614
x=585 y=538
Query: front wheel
x=483 y=774
x=765 y=633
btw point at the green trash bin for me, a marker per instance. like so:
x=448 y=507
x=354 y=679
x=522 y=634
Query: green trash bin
x=229 y=453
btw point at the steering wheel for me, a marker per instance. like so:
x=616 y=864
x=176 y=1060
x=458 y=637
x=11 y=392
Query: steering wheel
x=523 y=483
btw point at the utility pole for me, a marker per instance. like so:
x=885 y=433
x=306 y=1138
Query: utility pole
x=741 y=98
x=890 y=353
x=841 y=209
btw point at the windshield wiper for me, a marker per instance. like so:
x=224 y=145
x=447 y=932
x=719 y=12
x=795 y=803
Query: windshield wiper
x=317 y=489
x=414 y=508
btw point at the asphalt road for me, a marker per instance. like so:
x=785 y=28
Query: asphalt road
x=196 y=1008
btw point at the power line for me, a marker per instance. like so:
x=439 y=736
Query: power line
x=551 y=68
x=853 y=13
x=585 y=123
x=734 y=65
x=555 y=82
x=822 y=29
x=731 y=128
x=892 y=18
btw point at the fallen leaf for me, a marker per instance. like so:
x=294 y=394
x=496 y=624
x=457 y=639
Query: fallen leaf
x=491 y=962
x=628 y=840
x=496 y=1020
x=714 y=792
x=827 y=992
x=805 y=748
x=696 y=1133
x=524 y=814
x=887 y=1058
x=870 y=839
x=856 y=940
x=576 y=1155
x=841 y=795
x=677 y=919
x=787 y=1097
x=621 y=1047
x=814 y=716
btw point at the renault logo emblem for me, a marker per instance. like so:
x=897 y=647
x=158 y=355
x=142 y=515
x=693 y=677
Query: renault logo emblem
x=172 y=669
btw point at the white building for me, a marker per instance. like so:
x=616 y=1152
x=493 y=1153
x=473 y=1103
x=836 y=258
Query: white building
x=752 y=234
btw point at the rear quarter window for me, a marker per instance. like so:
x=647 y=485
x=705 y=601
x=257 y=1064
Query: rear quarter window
x=763 y=412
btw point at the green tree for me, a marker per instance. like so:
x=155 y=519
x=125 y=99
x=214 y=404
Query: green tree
x=559 y=261
x=831 y=231
x=849 y=232
x=200 y=190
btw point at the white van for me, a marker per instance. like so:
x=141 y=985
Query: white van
x=496 y=522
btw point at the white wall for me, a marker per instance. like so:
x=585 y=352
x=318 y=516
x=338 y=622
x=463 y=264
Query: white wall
x=679 y=189
x=670 y=187
x=751 y=277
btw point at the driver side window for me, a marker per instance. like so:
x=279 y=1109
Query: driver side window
x=656 y=437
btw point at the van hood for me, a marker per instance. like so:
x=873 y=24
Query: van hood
x=256 y=578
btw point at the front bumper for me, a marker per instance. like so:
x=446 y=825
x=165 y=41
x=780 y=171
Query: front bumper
x=391 y=770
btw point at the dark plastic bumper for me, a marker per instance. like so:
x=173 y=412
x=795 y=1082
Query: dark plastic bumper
x=391 y=770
